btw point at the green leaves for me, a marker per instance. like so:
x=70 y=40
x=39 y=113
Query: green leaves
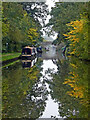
x=19 y=28
x=5 y=27
x=62 y=14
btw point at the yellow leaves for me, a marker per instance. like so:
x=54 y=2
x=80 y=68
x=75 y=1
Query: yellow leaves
x=65 y=82
x=33 y=73
x=68 y=81
x=73 y=74
x=72 y=85
x=76 y=93
x=73 y=65
x=33 y=34
x=33 y=29
x=65 y=34
x=69 y=24
x=74 y=40
x=76 y=24
x=24 y=92
x=76 y=35
x=73 y=52
x=71 y=36
x=72 y=81
x=25 y=14
x=71 y=32
x=70 y=93
x=30 y=37
x=72 y=44
x=69 y=56
x=75 y=28
x=34 y=40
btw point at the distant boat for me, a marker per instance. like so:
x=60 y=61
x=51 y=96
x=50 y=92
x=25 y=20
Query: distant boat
x=39 y=49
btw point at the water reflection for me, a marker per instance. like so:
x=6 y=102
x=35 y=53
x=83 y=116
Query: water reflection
x=29 y=63
x=69 y=87
x=22 y=98
x=53 y=88
x=77 y=80
x=51 y=109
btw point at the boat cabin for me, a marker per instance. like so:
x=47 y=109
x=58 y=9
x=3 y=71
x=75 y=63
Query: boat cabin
x=28 y=51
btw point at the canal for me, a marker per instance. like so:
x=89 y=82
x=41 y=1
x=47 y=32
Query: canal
x=46 y=87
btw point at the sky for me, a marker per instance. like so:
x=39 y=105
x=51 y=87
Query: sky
x=50 y=4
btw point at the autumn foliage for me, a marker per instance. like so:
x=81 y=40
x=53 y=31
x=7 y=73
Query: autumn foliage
x=78 y=37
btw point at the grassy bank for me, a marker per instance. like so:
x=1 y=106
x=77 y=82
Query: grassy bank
x=8 y=56
x=10 y=63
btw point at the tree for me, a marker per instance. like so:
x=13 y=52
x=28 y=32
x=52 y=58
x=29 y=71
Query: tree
x=78 y=37
x=37 y=10
x=18 y=23
x=62 y=14
x=69 y=88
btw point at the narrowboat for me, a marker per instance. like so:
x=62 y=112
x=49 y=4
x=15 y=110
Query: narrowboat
x=35 y=50
x=28 y=63
x=27 y=52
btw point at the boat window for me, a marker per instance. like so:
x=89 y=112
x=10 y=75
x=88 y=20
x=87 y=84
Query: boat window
x=26 y=51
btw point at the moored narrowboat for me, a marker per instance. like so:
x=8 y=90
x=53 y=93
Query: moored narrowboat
x=27 y=52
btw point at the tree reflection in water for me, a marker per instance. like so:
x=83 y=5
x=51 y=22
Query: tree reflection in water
x=25 y=91
x=69 y=88
x=22 y=97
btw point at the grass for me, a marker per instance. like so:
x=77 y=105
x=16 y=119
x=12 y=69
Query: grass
x=8 y=56
x=10 y=64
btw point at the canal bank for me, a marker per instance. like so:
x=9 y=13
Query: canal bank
x=9 y=57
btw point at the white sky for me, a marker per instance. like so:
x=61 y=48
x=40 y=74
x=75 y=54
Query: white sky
x=51 y=106
x=50 y=4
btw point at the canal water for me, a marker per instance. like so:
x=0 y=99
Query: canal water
x=47 y=86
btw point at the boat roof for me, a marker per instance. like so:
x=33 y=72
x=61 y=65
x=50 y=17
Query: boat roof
x=29 y=47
